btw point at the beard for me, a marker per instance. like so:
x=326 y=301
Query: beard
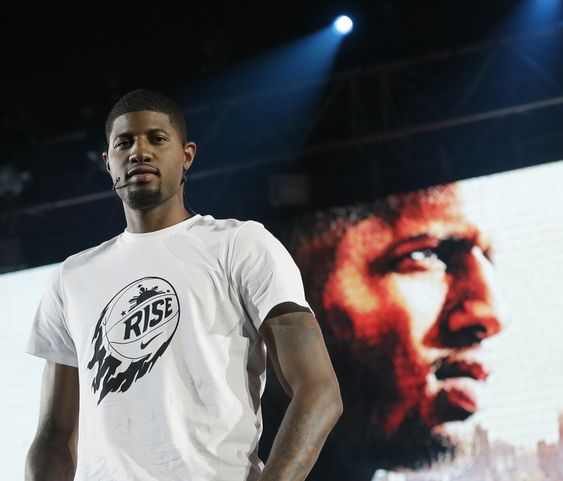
x=144 y=199
x=369 y=383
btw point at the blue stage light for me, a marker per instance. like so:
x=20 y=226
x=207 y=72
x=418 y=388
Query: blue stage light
x=343 y=24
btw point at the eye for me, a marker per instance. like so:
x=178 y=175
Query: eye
x=159 y=139
x=424 y=254
x=121 y=143
x=420 y=260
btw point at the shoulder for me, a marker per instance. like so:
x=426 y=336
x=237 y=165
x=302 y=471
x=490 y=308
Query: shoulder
x=87 y=256
x=233 y=231
x=254 y=237
x=228 y=226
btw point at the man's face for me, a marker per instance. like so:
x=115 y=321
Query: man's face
x=147 y=138
x=419 y=296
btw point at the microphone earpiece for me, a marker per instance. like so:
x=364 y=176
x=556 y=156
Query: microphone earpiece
x=121 y=186
x=119 y=178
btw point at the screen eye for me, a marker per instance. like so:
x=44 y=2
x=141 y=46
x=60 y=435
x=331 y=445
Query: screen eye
x=423 y=255
x=419 y=260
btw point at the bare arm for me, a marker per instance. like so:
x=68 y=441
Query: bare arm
x=300 y=359
x=52 y=456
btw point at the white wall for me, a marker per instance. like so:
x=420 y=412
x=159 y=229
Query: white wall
x=20 y=373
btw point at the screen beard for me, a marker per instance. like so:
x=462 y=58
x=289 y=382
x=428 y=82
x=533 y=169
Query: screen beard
x=367 y=385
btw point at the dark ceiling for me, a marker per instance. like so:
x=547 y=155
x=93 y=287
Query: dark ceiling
x=61 y=64
x=429 y=92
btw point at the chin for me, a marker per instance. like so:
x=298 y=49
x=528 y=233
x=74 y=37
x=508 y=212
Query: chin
x=384 y=427
x=144 y=200
x=412 y=446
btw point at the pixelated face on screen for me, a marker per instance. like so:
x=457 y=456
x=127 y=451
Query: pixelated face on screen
x=409 y=301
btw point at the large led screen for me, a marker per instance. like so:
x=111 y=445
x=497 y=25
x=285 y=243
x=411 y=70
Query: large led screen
x=442 y=310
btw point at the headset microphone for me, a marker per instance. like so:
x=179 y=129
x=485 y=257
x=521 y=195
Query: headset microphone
x=114 y=185
x=184 y=175
x=182 y=181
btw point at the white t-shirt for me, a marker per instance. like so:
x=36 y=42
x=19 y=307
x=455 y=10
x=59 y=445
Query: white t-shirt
x=163 y=328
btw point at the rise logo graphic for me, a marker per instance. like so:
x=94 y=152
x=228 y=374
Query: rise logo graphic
x=132 y=332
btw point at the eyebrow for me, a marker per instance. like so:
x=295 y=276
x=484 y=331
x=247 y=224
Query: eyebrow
x=150 y=131
x=474 y=238
x=415 y=238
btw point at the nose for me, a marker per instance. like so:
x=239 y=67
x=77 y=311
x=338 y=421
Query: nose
x=140 y=151
x=474 y=309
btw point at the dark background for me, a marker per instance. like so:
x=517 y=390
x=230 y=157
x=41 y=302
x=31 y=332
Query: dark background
x=420 y=93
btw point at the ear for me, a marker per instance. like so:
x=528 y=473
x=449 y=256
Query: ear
x=106 y=161
x=190 y=149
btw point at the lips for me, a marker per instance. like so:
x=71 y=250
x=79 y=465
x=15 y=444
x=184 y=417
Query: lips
x=455 y=385
x=141 y=170
x=448 y=368
x=455 y=403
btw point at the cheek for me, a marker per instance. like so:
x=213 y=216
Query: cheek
x=421 y=297
x=406 y=304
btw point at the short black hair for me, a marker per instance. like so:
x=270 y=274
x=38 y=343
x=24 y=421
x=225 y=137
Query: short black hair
x=143 y=99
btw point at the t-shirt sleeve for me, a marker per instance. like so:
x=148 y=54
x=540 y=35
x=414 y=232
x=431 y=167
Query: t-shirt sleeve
x=264 y=271
x=49 y=337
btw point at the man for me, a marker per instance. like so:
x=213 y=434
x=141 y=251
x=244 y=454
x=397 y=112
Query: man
x=155 y=339
x=405 y=293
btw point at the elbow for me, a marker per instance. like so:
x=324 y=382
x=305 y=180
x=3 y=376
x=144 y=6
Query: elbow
x=331 y=392
x=326 y=399
x=337 y=404
x=340 y=405
x=332 y=406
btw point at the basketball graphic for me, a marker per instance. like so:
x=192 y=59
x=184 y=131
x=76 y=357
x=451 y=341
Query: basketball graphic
x=132 y=332
x=139 y=330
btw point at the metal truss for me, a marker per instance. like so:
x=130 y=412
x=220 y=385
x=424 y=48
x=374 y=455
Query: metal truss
x=446 y=115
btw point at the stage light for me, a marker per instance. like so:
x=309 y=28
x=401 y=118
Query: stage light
x=343 y=24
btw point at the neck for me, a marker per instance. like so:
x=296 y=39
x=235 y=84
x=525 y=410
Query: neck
x=141 y=221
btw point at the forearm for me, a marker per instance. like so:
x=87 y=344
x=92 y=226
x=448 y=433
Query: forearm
x=303 y=432
x=49 y=461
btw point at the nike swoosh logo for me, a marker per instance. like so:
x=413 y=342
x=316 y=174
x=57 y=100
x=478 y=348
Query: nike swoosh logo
x=145 y=344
